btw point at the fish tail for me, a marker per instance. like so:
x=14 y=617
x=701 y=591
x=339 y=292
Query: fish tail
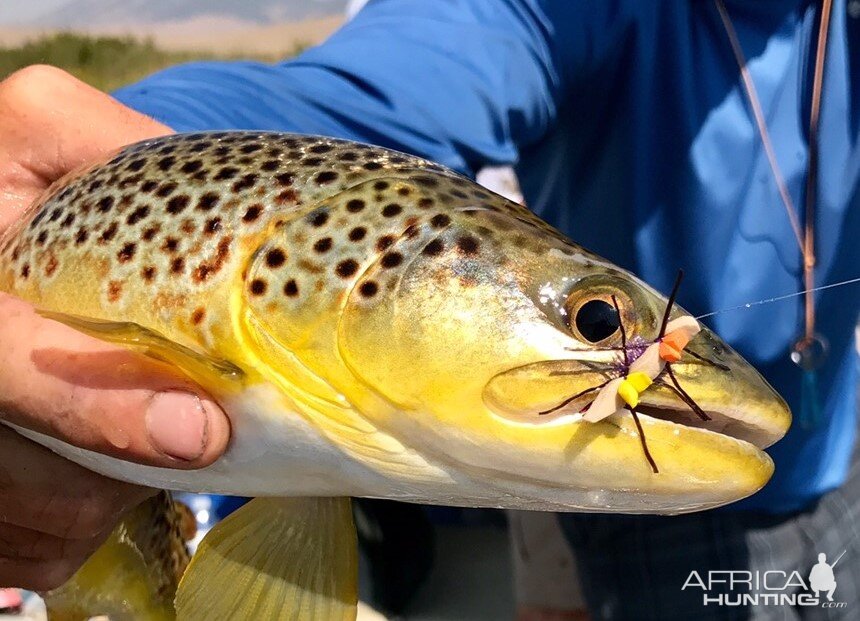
x=134 y=574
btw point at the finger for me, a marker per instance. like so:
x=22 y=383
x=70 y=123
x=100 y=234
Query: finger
x=88 y=125
x=37 y=575
x=62 y=383
x=41 y=491
x=18 y=543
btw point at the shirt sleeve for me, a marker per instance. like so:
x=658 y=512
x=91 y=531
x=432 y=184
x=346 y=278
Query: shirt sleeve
x=463 y=82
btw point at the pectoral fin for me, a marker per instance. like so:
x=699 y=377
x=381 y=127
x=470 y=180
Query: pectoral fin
x=204 y=369
x=275 y=558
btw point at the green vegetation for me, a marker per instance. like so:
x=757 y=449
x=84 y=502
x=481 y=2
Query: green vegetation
x=104 y=62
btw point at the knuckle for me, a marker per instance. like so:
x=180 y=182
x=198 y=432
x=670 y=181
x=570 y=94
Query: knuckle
x=38 y=74
x=54 y=574
x=91 y=517
x=31 y=84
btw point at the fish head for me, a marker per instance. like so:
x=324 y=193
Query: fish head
x=460 y=338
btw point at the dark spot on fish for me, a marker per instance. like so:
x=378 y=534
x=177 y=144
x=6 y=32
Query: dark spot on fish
x=372 y=165
x=166 y=163
x=434 y=248
x=136 y=165
x=42 y=238
x=208 y=201
x=68 y=221
x=137 y=215
x=286 y=196
x=284 y=179
x=270 y=165
x=318 y=218
x=166 y=189
x=171 y=244
x=177 y=266
x=25 y=271
x=404 y=191
x=258 y=286
x=391 y=259
x=178 y=204
x=197 y=147
x=252 y=213
x=380 y=186
x=245 y=183
x=384 y=242
x=468 y=245
x=321 y=148
x=347 y=156
x=357 y=234
x=212 y=225
x=148 y=186
x=109 y=233
x=275 y=258
x=347 y=268
x=425 y=203
x=51 y=266
x=440 y=221
x=291 y=288
x=198 y=315
x=323 y=245
x=326 y=176
x=148 y=273
x=427 y=182
x=368 y=289
x=126 y=253
x=82 y=236
x=391 y=210
x=459 y=194
x=192 y=167
x=104 y=204
x=114 y=290
x=228 y=172
x=250 y=148
x=150 y=233
x=355 y=205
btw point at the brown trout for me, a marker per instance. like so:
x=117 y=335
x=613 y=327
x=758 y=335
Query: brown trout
x=374 y=325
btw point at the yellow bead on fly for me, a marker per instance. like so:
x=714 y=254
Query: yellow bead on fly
x=632 y=385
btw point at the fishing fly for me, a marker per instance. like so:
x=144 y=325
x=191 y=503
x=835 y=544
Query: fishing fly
x=643 y=367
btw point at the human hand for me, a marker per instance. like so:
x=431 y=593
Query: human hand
x=53 y=513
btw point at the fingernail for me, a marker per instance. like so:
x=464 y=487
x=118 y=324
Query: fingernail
x=177 y=424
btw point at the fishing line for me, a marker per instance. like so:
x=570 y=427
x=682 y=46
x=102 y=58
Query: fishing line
x=780 y=297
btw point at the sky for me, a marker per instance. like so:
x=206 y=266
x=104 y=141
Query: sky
x=16 y=12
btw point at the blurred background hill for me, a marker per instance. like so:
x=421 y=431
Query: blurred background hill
x=112 y=42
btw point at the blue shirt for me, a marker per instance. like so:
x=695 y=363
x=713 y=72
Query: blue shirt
x=629 y=130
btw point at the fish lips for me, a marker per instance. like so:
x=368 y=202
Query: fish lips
x=737 y=399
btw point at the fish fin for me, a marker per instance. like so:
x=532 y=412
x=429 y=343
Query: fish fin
x=134 y=574
x=275 y=558
x=200 y=367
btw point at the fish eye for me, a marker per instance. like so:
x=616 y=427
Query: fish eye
x=597 y=320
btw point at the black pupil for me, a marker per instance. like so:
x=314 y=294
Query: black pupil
x=597 y=320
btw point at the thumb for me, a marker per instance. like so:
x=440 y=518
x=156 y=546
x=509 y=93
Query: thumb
x=59 y=382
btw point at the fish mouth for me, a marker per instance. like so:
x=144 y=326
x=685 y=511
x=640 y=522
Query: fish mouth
x=702 y=463
x=712 y=388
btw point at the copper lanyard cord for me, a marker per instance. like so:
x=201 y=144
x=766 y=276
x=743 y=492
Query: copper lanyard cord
x=806 y=237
